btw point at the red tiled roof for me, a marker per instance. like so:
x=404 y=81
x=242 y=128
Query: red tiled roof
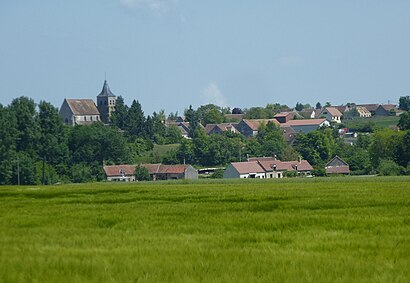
x=267 y=163
x=82 y=106
x=306 y=122
x=173 y=169
x=388 y=107
x=254 y=124
x=248 y=167
x=370 y=107
x=116 y=170
x=282 y=114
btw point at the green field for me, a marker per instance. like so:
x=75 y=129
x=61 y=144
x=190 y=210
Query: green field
x=296 y=230
x=379 y=122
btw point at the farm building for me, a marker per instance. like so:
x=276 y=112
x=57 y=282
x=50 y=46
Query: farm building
x=266 y=168
x=337 y=166
x=126 y=173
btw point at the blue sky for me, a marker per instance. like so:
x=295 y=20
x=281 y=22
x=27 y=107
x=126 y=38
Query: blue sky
x=169 y=54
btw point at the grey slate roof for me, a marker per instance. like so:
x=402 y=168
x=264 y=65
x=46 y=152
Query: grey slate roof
x=106 y=90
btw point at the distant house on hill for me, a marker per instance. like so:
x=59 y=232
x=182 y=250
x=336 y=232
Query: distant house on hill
x=331 y=114
x=370 y=107
x=386 y=110
x=219 y=129
x=284 y=117
x=126 y=173
x=337 y=166
x=308 y=113
x=249 y=127
x=306 y=126
x=79 y=112
x=244 y=170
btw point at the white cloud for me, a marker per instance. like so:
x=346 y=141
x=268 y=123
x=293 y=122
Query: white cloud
x=157 y=7
x=291 y=61
x=212 y=95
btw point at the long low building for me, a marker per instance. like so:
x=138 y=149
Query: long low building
x=266 y=168
x=126 y=173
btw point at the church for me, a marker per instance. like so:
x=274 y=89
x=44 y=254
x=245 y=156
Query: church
x=85 y=111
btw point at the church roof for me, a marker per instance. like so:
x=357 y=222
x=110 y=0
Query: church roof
x=106 y=90
x=82 y=106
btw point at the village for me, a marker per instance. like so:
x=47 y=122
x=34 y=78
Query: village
x=290 y=121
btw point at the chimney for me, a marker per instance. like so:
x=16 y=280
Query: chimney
x=296 y=167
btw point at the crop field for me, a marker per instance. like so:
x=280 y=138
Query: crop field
x=351 y=229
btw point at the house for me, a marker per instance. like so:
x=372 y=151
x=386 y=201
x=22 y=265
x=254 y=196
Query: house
x=182 y=126
x=79 y=112
x=337 y=166
x=173 y=172
x=284 y=117
x=120 y=173
x=106 y=103
x=306 y=126
x=266 y=168
x=126 y=173
x=275 y=168
x=249 y=128
x=244 y=170
x=331 y=114
x=308 y=113
x=220 y=128
x=342 y=108
x=370 y=107
x=363 y=112
x=385 y=110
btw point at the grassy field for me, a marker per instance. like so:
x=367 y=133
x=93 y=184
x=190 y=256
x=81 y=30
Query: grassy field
x=379 y=122
x=296 y=230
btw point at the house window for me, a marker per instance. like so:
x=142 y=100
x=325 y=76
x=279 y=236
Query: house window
x=105 y=102
x=85 y=118
x=91 y=118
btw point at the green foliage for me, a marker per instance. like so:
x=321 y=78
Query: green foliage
x=119 y=116
x=404 y=103
x=315 y=230
x=404 y=122
x=271 y=139
x=387 y=144
x=218 y=174
x=142 y=173
x=388 y=167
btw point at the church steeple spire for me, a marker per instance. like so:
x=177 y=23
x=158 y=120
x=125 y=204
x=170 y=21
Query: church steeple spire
x=106 y=90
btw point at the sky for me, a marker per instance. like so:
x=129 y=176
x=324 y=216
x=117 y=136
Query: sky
x=169 y=54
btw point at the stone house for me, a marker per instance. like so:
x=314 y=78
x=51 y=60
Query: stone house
x=79 y=112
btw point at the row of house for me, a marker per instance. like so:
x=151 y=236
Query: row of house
x=126 y=173
x=270 y=167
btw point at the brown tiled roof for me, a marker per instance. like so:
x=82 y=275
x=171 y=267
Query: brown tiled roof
x=254 y=124
x=306 y=122
x=370 y=107
x=248 y=167
x=388 y=107
x=342 y=108
x=288 y=133
x=267 y=163
x=209 y=128
x=82 y=106
x=302 y=165
x=115 y=170
x=282 y=114
x=173 y=169
x=334 y=111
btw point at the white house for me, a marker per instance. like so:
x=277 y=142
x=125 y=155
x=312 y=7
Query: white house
x=244 y=170
x=331 y=114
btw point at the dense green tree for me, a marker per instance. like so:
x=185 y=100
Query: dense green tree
x=386 y=144
x=271 y=139
x=388 y=167
x=317 y=147
x=173 y=135
x=404 y=103
x=210 y=114
x=8 y=139
x=24 y=110
x=299 y=106
x=404 y=122
x=135 y=122
x=53 y=142
x=142 y=173
x=119 y=116
x=258 y=113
